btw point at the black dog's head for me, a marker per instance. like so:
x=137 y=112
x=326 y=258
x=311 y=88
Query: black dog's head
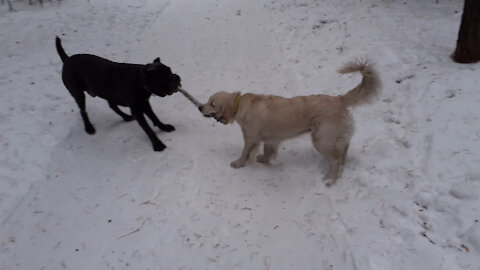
x=159 y=79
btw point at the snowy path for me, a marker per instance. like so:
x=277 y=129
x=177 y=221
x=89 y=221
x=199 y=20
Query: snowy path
x=408 y=198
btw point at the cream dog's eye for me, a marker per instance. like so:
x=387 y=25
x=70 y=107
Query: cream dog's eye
x=211 y=104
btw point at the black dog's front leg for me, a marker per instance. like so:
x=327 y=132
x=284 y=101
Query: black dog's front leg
x=156 y=122
x=138 y=114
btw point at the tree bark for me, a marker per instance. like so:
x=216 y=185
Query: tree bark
x=468 y=42
x=10 y=6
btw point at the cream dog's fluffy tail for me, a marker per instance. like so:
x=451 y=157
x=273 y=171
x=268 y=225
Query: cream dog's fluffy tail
x=368 y=87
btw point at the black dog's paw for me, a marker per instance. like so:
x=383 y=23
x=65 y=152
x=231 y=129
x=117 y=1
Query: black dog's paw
x=167 y=128
x=128 y=118
x=159 y=146
x=90 y=129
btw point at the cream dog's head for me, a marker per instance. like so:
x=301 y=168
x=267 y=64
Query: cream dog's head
x=221 y=107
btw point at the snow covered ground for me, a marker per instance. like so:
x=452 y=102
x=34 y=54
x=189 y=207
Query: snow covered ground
x=408 y=198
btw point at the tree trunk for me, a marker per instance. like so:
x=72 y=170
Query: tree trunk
x=10 y=6
x=468 y=42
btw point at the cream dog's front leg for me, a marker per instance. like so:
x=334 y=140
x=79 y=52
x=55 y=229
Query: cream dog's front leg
x=250 y=143
x=247 y=149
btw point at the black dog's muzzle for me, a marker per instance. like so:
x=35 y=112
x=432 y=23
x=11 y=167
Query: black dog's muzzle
x=175 y=84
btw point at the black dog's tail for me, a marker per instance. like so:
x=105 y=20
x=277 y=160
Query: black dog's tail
x=60 y=49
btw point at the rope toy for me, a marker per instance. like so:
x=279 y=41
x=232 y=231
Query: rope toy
x=190 y=97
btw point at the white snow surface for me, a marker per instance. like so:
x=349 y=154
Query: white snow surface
x=408 y=197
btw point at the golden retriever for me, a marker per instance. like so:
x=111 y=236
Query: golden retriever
x=272 y=119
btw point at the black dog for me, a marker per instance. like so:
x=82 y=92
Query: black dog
x=121 y=84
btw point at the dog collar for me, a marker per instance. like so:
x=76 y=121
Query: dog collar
x=236 y=102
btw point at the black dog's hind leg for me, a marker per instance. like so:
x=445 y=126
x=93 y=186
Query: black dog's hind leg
x=138 y=114
x=79 y=97
x=125 y=116
x=156 y=122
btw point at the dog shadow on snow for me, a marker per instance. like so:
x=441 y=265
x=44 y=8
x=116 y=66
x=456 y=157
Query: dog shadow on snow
x=291 y=158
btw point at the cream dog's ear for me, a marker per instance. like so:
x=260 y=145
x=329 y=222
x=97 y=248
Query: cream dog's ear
x=228 y=107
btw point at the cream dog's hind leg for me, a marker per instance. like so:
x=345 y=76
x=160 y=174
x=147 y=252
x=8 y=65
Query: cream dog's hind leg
x=333 y=146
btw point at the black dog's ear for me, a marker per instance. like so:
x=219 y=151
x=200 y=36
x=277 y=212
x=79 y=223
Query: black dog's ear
x=157 y=60
x=147 y=70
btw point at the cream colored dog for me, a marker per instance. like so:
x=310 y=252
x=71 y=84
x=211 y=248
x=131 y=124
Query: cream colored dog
x=272 y=119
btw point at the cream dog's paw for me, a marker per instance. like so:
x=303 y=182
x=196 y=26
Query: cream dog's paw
x=237 y=164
